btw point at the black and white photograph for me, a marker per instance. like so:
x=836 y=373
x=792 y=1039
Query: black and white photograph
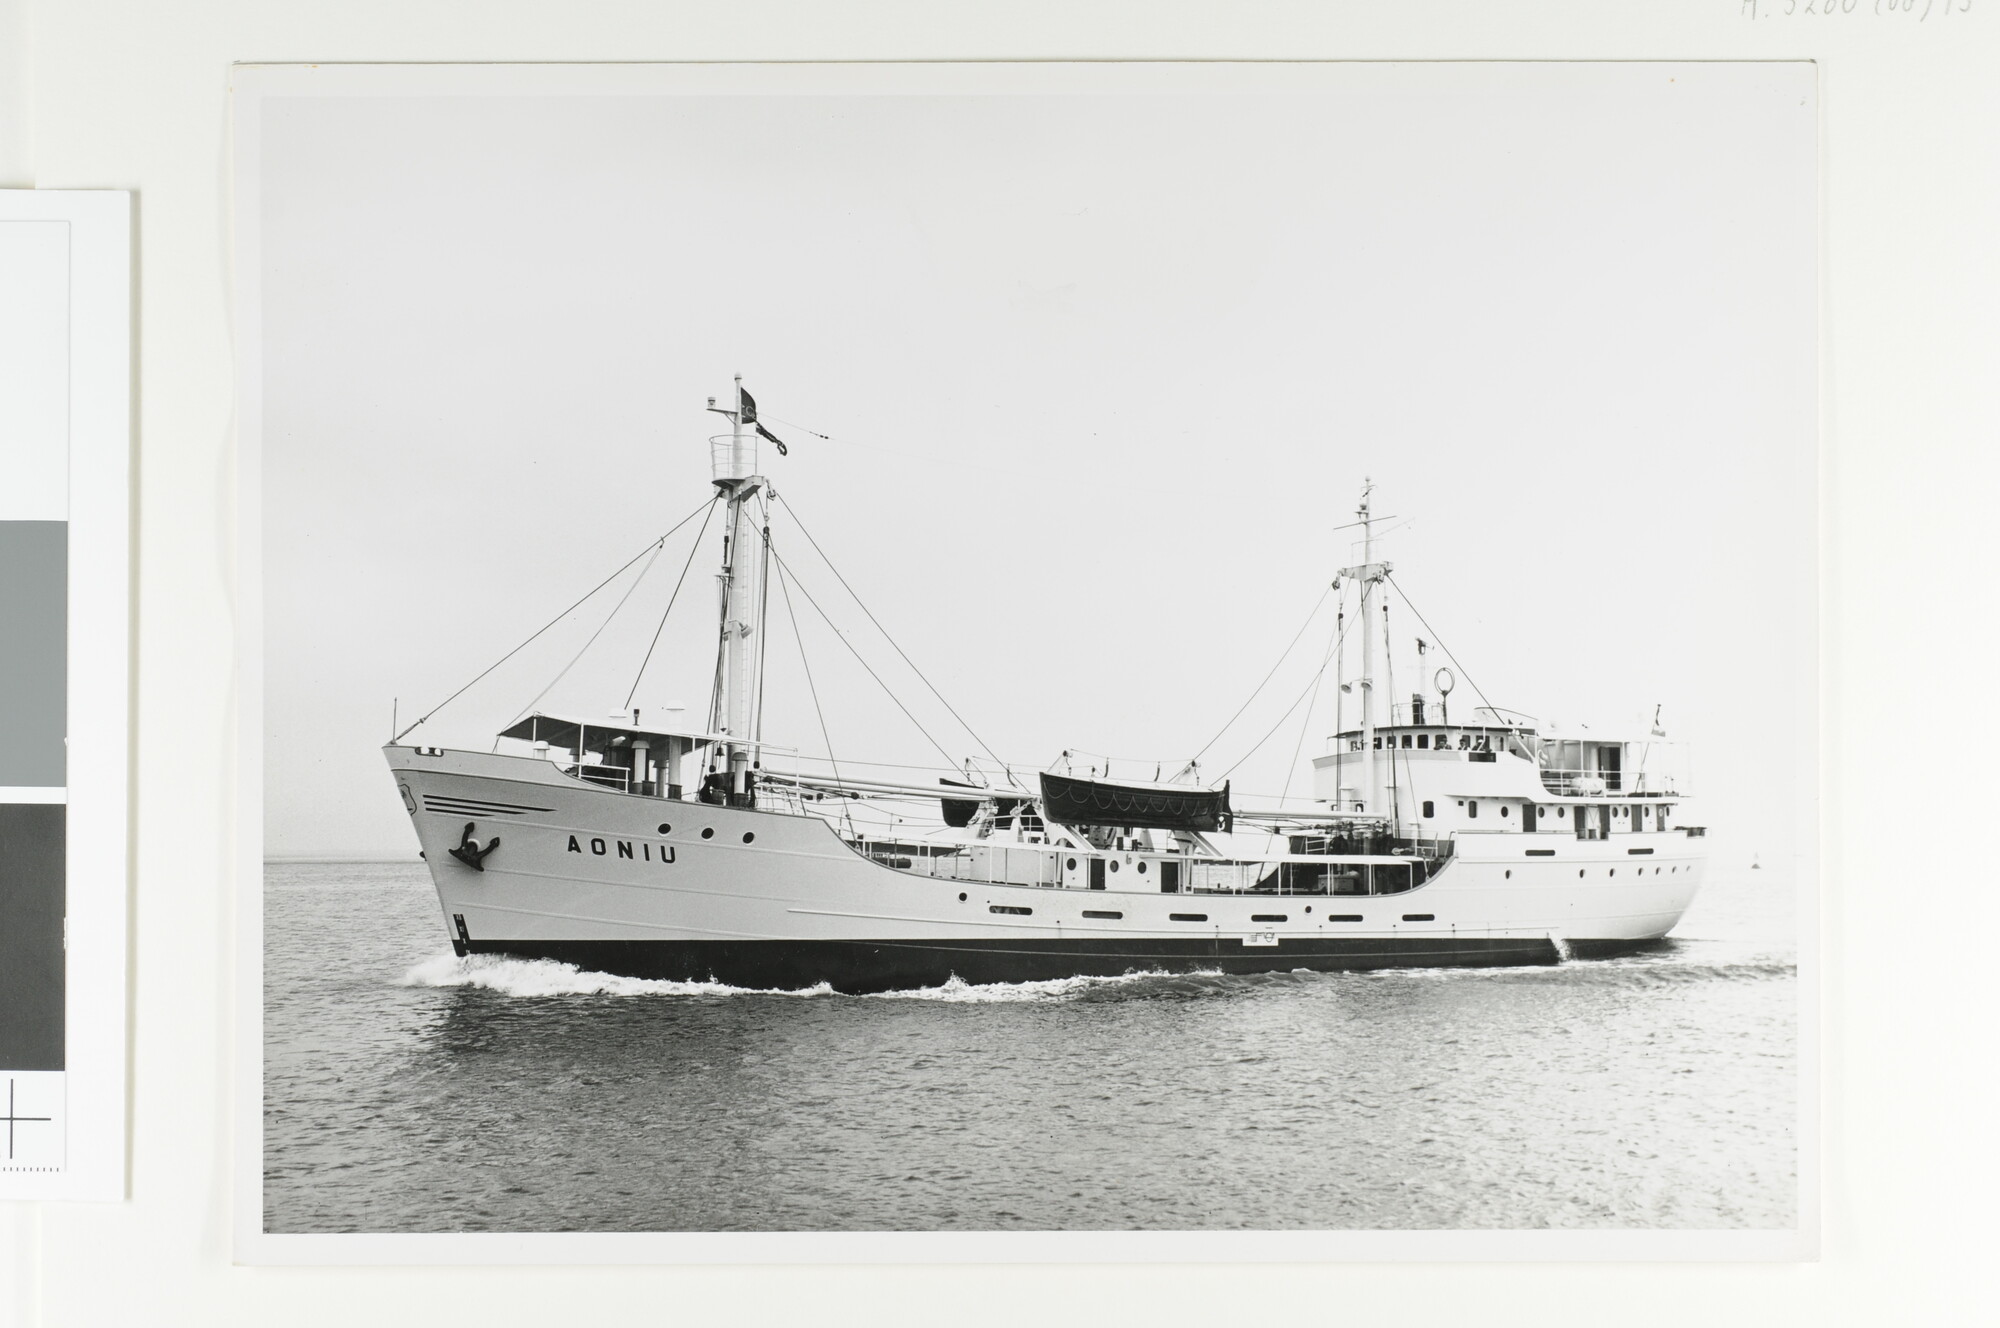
x=1066 y=649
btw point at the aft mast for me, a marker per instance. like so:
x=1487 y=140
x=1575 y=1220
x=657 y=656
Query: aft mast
x=745 y=554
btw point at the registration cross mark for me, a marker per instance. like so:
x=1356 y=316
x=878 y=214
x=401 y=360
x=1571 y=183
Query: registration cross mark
x=12 y=1120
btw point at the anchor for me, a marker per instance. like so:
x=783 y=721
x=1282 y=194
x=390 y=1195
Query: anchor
x=469 y=852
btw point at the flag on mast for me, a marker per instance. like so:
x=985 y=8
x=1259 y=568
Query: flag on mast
x=747 y=411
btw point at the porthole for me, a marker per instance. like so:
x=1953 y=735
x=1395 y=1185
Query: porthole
x=748 y=836
x=1504 y=809
x=708 y=832
x=961 y=896
x=1579 y=873
x=1114 y=864
x=666 y=829
x=1612 y=872
x=1142 y=869
x=1510 y=873
x=1072 y=864
x=1309 y=908
x=1540 y=812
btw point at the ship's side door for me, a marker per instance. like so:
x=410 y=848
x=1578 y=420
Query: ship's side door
x=1097 y=873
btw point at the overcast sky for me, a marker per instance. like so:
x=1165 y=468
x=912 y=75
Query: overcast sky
x=1102 y=374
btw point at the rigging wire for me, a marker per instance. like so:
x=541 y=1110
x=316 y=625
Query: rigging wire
x=811 y=688
x=1340 y=671
x=883 y=630
x=1389 y=665
x=800 y=428
x=1477 y=690
x=1342 y=636
x=650 y=546
x=1321 y=603
x=887 y=691
x=1305 y=723
x=696 y=548
x=615 y=609
x=763 y=619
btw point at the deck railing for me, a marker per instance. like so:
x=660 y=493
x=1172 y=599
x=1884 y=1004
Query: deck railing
x=1576 y=782
x=1045 y=866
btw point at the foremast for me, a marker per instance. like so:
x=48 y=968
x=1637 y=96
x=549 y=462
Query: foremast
x=1369 y=574
x=737 y=709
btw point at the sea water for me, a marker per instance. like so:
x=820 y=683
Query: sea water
x=408 y=1090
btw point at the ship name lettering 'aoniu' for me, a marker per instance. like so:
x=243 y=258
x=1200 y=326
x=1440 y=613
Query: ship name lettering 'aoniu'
x=598 y=849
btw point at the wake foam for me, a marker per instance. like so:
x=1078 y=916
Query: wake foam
x=958 y=991
x=546 y=977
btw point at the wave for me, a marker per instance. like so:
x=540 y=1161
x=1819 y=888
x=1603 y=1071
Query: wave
x=1631 y=971
x=1676 y=972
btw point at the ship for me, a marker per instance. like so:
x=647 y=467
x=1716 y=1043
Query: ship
x=701 y=853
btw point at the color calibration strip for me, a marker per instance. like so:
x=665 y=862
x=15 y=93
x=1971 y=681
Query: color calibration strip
x=34 y=632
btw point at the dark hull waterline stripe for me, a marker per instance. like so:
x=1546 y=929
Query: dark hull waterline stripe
x=860 y=967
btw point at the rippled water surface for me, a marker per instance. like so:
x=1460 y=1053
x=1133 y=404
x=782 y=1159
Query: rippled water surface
x=406 y=1090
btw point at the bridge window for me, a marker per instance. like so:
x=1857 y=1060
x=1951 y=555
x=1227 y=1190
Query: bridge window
x=1424 y=741
x=1409 y=741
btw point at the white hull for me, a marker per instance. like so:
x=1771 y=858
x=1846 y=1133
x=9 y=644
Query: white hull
x=658 y=887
